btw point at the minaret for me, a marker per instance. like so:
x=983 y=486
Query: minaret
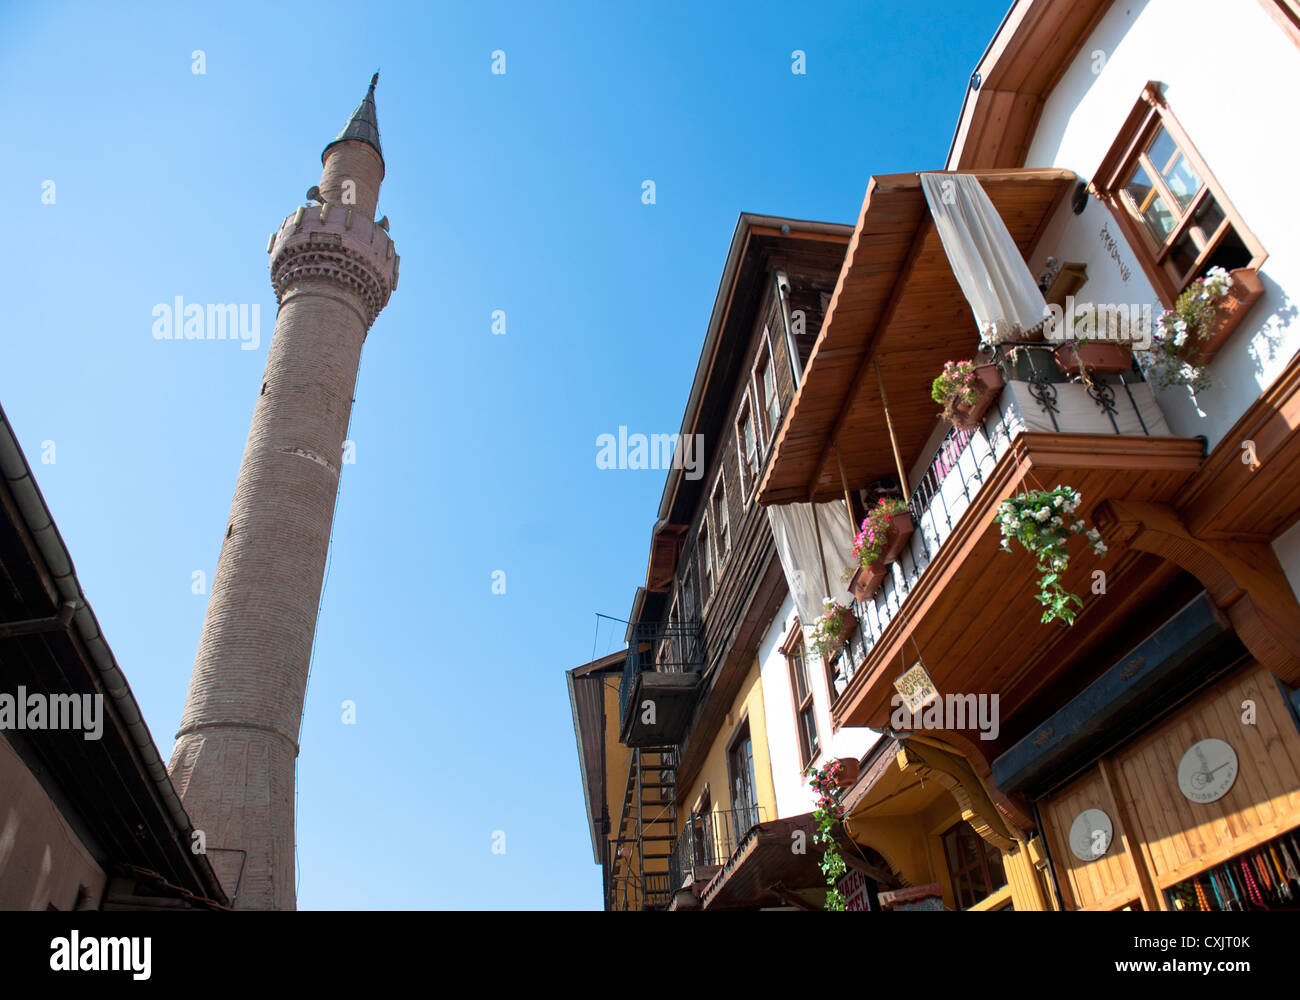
x=333 y=268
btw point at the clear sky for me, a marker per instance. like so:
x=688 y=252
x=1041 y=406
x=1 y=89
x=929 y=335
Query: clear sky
x=474 y=452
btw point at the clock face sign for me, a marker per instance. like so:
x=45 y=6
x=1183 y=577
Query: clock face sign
x=1091 y=834
x=1207 y=770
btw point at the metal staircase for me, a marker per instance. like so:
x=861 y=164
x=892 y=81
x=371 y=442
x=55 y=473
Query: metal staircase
x=646 y=832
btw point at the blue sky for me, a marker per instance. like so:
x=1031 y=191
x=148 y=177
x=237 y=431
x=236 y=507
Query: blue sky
x=474 y=452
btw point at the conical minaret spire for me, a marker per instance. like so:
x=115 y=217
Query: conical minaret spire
x=363 y=126
x=333 y=269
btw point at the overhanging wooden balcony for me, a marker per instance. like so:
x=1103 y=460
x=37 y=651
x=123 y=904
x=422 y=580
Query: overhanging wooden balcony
x=971 y=615
x=864 y=413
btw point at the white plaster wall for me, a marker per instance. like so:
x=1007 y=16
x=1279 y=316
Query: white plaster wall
x=1286 y=547
x=793 y=795
x=1232 y=78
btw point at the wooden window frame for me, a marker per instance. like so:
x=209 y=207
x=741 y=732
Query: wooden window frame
x=1287 y=14
x=758 y=377
x=981 y=861
x=749 y=474
x=721 y=522
x=1149 y=113
x=708 y=576
x=789 y=649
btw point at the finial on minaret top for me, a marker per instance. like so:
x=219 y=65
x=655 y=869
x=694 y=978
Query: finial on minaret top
x=363 y=126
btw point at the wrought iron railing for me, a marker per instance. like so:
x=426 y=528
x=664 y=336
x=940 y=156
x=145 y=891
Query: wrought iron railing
x=708 y=841
x=956 y=474
x=665 y=647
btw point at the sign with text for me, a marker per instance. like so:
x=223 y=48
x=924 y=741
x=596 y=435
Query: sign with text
x=916 y=688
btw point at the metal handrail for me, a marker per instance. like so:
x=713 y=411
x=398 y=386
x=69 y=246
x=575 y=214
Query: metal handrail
x=663 y=647
x=709 y=840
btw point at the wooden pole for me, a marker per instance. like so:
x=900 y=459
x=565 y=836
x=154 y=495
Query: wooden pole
x=821 y=557
x=893 y=440
x=848 y=504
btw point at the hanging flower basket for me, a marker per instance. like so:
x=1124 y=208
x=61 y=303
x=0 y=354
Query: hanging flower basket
x=966 y=391
x=1043 y=522
x=847 y=773
x=832 y=630
x=1096 y=356
x=1231 y=307
x=885 y=530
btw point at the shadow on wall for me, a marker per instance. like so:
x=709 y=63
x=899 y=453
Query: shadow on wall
x=1271 y=334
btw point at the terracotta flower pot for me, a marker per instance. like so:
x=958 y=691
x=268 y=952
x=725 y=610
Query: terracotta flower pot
x=1233 y=306
x=1101 y=357
x=848 y=622
x=968 y=416
x=866 y=581
x=899 y=533
x=848 y=775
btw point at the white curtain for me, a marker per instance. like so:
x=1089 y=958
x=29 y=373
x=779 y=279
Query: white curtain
x=796 y=546
x=992 y=274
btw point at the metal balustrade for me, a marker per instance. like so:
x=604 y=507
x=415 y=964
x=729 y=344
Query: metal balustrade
x=956 y=474
x=708 y=841
x=665 y=647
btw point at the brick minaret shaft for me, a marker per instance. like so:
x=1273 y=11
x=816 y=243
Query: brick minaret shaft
x=333 y=268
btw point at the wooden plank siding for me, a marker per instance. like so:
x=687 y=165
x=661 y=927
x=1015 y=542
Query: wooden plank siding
x=1160 y=836
x=749 y=585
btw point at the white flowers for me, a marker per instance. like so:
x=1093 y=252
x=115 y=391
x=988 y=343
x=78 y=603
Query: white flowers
x=1042 y=522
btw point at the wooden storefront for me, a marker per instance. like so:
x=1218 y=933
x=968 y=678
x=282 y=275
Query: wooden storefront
x=1160 y=836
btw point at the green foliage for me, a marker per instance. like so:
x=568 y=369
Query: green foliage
x=1043 y=522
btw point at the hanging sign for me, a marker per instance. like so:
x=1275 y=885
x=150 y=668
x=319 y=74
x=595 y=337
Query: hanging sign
x=916 y=688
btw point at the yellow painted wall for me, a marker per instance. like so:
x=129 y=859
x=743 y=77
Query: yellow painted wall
x=748 y=703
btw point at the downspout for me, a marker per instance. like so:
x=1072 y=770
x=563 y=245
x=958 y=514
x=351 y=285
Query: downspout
x=1051 y=868
x=783 y=300
x=36 y=516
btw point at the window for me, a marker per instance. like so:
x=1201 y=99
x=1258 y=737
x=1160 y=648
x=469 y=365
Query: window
x=1177 y=217
x=706 y=565
x=720 y=518
x=688 y=594
x=748 y=446
x=805 y=720
x=974 y=865
x=765 y=392
x=740 y=766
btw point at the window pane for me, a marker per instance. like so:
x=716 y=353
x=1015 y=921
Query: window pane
x=996 y=872
x=1178 y=173
x=810 y=730
x=1152 y=207
x=1187 y=247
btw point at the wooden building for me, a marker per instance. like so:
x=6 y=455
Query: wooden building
x=1142 y=751
x=1146 y=755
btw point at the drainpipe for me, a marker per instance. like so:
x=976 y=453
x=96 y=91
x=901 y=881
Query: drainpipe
x=36 y=516
x=783 y=297
x=1047 y=853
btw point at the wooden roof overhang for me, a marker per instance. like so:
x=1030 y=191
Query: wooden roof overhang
x=1033 y=47
x=973 y=618
x=897 y=305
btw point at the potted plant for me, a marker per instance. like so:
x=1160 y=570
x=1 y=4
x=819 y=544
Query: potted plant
x=1090 y=348
x=966 y=391
x=883 y=534
x=1187 y=337
x=827 y=814
x=832 y=630
x=1043 y=522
